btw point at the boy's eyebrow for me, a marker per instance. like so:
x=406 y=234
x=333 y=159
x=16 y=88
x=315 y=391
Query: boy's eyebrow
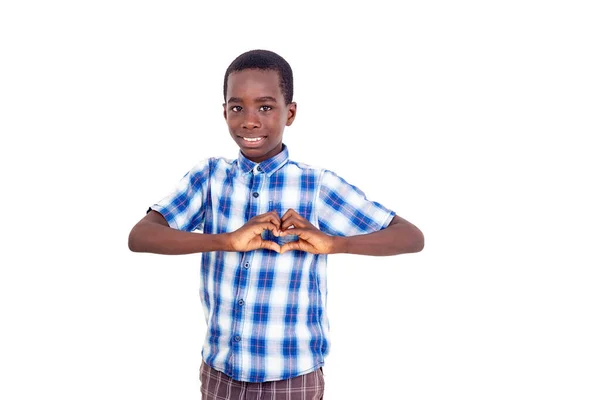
x=265 y=98
x=257 y=100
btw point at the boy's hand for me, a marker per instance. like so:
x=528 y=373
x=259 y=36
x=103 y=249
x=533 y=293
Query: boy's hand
x=310 y=238
x=248 y=237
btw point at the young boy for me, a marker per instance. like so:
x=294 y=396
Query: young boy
x=267 y=226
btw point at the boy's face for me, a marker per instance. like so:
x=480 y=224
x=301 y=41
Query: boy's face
x=256 y=112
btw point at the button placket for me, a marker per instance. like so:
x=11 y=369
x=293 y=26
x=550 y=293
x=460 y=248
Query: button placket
x=252 y=210
x=238 y=321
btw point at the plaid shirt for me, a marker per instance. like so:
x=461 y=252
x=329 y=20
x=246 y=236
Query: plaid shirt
x=266 y=312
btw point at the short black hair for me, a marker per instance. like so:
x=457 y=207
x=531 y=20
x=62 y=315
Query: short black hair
x=265 y=60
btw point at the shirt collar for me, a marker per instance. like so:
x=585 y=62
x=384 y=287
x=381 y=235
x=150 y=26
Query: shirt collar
x=268 y=166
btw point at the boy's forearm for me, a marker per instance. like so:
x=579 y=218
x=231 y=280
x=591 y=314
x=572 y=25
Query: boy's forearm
x=159 y=239
x=398 y=238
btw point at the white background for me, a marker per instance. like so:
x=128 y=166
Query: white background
x=474 y=120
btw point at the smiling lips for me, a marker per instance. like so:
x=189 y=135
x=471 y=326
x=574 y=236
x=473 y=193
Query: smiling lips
x=253 y=139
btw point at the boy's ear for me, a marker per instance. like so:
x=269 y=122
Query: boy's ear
x=291 y=113
x=225 y=110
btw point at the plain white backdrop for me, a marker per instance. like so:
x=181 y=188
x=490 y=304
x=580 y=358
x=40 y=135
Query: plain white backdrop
x=474 y=120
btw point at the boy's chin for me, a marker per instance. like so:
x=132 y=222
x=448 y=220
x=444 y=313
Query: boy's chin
x=254 y=154
x=260 y=154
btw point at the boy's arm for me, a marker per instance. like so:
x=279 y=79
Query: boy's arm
x=399 y=237
x=152 y=234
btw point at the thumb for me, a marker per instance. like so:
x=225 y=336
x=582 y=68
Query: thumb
x=270 y=245
x=302 y=233
x=290 y=246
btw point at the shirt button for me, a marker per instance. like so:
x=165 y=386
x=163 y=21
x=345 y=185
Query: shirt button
x=259 y=169
x=246 y=265
x=237 y=338
x=241 y=302
x=255 y=194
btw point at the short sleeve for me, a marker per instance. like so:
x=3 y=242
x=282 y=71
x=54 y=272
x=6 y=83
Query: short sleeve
x=184 y=207
x=344 y=210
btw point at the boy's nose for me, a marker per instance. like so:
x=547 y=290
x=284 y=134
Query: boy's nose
x=251 y=121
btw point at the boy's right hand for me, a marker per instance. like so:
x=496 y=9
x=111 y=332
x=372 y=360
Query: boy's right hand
x=249 y=236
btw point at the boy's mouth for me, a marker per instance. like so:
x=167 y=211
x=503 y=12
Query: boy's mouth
x=252 y=141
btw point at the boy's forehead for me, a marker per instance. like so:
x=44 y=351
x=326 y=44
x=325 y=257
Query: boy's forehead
x=254 y=83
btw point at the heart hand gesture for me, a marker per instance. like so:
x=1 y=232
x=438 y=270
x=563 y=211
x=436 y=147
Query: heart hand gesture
x=249 y=236
x=310 y=239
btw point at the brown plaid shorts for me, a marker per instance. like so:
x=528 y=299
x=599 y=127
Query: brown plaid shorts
x=216 y=385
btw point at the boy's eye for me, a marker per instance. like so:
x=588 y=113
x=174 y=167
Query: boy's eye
x=265 y=108
x=236 y=108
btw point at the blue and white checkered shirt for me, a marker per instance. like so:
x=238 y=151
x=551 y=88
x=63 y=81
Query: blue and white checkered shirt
x=266 y=312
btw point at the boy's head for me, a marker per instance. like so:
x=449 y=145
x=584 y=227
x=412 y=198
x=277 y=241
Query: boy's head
x=258 y=92
x=264 y=60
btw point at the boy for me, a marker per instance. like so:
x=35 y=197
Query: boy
x=267 y=226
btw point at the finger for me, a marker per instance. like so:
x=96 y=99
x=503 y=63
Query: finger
x=289 y=213
x=302 y=233
x=293 y=215
x=270 y=245
x=274 y=218
x=276 y=231
x=266 y=216
x=312 y=241
x=273 y=227
x=259 y=228
x=296 y=221
x=270 y=216
x=305 y=234
x=291 y=246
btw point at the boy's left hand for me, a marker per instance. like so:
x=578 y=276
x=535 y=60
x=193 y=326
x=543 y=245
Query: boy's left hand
x=310 y=238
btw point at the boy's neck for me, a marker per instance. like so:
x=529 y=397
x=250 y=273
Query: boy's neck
x=258 y=160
